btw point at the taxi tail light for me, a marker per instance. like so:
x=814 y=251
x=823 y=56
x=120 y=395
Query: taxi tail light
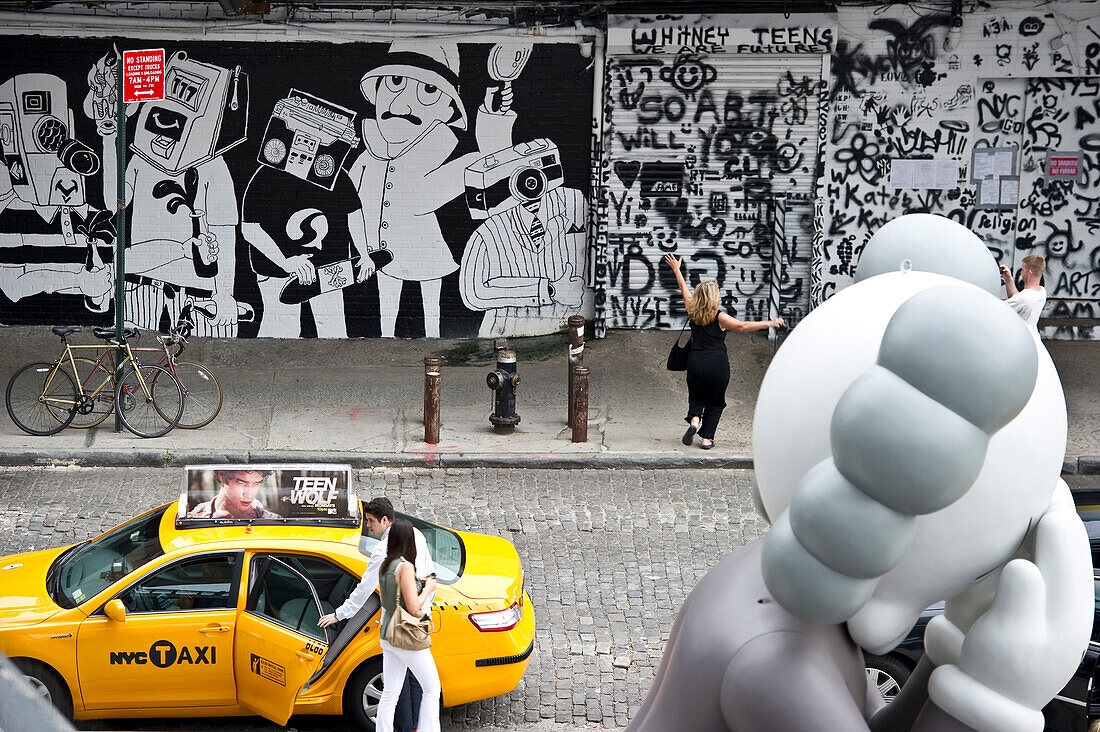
x=497 y=620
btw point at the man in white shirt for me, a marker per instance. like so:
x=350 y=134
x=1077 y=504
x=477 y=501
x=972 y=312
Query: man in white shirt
x=378 y=517
x=1029 y=301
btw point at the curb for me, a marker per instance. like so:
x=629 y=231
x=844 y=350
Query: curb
x=161 y=458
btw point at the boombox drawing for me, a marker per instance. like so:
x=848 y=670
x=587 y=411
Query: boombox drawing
x=511 y=176
x=308 y=138
x=46 y=166
x=203 y=114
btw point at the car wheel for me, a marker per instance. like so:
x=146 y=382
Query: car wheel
x=363 y=693
x=47 y=683
x=886 y=673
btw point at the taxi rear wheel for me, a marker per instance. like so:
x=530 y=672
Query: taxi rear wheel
x=363 y=693
x=48 y=684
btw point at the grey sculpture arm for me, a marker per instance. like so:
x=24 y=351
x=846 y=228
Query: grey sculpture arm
x=818 y=700
x=909 y=437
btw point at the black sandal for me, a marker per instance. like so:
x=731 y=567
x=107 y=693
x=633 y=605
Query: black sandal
x=707 y=447
x=689 y=434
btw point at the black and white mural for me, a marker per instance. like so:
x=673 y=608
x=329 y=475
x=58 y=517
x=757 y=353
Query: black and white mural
x=411 y=189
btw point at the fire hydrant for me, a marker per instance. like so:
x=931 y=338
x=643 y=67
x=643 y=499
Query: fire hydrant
x=503 y=382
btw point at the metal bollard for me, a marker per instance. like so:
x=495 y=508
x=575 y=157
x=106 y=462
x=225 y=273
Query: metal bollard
x=576 y=354
x=432 y=377
x=578 y=401
x=503 y=382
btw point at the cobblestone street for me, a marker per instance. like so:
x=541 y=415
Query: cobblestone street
x=609 y=557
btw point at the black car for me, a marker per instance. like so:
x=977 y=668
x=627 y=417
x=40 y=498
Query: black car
x=1075 y=706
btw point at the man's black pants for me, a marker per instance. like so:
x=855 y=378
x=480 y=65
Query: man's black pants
x=407 y=715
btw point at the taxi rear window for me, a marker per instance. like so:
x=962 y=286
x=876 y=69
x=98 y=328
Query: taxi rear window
x=88 y=569
x=445 y=546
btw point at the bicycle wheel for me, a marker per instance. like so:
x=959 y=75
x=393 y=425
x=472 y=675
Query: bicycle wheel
x=41 y=399
x=202 y=395
x=151 y=411
x=98 y=399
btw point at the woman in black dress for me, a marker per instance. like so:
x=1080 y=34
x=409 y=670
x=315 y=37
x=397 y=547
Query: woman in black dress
x=708 y=371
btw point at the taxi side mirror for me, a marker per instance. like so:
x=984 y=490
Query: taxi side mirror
x=115 y=610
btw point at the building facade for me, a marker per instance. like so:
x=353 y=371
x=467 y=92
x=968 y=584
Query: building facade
x=333 y=175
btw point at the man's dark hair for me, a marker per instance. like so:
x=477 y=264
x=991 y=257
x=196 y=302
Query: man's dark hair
x=380 y=508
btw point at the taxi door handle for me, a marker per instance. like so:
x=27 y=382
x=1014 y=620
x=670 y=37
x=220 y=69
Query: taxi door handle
x=305 y=655
x=212 y=629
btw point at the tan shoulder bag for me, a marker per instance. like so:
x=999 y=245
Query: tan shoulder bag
x=407 y=631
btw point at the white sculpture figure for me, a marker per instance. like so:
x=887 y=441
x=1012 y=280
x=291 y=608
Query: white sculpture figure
x=908 y=441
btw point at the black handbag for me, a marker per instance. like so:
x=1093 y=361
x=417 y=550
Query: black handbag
x=678 y=356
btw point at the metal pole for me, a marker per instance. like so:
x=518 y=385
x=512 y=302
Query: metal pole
x=779 y=253
x=432 y=377
x=579 y=400
x=576 y=354
x=120 y=228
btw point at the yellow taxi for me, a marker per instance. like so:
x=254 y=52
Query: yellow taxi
x=186 y=612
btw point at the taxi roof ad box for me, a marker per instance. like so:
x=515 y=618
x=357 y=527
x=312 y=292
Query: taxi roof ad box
x=280 y=494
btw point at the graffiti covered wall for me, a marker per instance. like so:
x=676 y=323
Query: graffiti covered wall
x=298 y=189
x=711 y=146
x=962 y=124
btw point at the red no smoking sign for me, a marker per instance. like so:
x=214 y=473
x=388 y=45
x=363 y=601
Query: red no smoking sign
x=143 y=75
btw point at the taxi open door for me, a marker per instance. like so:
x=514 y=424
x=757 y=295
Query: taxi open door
x=278 y=645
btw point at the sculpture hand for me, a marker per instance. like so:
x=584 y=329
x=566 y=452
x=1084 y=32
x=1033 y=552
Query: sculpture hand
x=1020 y=652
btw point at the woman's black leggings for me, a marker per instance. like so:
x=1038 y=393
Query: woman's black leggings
x=707 y=379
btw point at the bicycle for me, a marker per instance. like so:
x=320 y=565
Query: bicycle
x=202 y=394
x=44 y=398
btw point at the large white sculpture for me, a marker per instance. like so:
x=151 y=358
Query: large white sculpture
x=908 y=441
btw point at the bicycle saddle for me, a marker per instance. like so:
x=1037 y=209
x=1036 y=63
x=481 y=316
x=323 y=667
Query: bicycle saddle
x=108 y=334
x=64 y=330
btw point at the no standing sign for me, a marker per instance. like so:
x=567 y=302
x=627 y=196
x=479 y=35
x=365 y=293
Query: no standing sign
x=143 y=75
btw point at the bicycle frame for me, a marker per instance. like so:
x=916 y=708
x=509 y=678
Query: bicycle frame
x=166 y=356
x=107 y=360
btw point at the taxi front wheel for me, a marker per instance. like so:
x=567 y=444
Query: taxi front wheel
x=47 y=683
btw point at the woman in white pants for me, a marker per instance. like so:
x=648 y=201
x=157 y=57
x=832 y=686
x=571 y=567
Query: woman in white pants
x=396 y=572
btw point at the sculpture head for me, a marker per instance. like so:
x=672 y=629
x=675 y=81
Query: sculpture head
x=839 y=341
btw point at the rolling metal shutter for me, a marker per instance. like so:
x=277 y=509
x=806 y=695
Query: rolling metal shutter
x=709 y=156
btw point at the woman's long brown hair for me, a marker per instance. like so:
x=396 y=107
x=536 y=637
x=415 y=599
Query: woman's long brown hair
x=401 y=542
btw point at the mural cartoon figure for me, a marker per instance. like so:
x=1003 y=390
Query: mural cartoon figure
x=304 y=253
x=43 y=169
x=909 y=434
x=402 y=177
x=522 y=265
x=182 y=248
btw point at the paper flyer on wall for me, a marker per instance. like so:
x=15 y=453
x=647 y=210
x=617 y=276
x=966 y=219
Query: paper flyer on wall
x=924 y=174
x=277 y=494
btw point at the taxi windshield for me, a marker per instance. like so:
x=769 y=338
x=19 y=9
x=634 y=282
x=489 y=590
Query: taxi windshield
x=446 y=548
x=89 y=568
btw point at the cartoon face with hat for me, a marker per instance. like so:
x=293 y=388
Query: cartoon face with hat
x=414 y=91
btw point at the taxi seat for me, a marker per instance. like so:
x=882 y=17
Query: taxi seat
x=300 y=613
x=355 y=624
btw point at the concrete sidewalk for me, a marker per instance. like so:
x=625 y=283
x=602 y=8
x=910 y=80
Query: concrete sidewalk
x=360 y=401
